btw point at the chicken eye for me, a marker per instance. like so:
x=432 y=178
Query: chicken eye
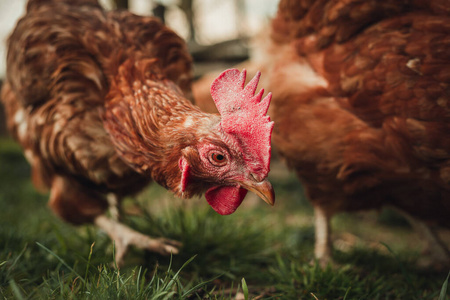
x=218 y=158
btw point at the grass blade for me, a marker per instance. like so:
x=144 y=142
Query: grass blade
x=175 y=276
x=88 y=264
x=244 y=288
x=61 y=260
x=198 y=286
x=400 y=264
x=346 y=292
x=17 y=259
x=443 y=294
x=16 y=290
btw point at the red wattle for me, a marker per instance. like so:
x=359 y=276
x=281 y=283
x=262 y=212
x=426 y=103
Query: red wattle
x=225 y=199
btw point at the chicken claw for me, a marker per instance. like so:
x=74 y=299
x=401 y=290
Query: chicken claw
x=124 y=236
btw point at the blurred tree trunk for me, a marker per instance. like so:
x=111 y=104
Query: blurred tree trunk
x=160 y=11
x=121 y=4
x=3 y=129
x=186 y=7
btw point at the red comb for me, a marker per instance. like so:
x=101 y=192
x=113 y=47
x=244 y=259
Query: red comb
x=244 y=113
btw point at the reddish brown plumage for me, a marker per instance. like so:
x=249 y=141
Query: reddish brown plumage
x=61 y=61
x=99 y=102
x=361 y=102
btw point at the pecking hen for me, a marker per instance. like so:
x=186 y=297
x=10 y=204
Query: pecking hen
x=361 y=105
x=99 y=102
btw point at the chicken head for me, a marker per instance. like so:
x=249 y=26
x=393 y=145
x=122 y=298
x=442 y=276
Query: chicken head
x=237 y=158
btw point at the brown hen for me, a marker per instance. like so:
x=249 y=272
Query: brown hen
x=99 y=102
x=361 y=105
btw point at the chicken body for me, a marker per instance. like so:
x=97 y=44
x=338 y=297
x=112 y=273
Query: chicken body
x=98 y=100
x=362 y=107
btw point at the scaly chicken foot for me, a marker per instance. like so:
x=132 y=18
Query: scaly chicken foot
x=124 y=236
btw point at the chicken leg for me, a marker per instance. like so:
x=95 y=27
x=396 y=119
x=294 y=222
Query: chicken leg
x=322 y=246
x=124 y=236
x=78 y=205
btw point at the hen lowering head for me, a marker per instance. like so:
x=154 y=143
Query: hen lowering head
x=236 y=158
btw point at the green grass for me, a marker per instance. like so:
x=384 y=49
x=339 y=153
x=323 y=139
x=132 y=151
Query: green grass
x=259 y=252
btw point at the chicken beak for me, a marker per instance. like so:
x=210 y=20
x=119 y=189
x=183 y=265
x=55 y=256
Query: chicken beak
x=263 y=189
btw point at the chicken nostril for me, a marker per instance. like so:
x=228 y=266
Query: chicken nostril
x=256 y=177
